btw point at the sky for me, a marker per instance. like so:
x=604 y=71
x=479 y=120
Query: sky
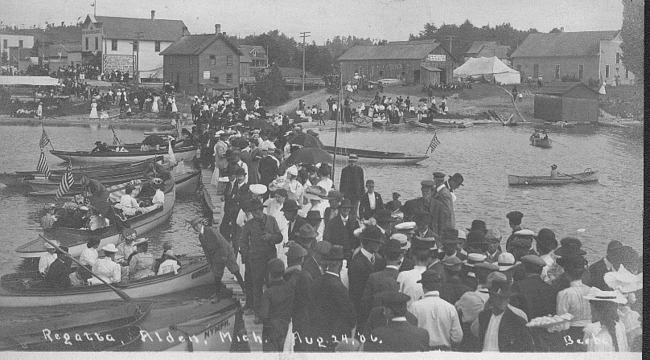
x=392 y=20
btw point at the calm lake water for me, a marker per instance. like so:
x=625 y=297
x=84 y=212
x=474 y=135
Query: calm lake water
x=611 y=209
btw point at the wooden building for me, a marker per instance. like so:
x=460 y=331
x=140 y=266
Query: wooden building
x=207 y=61
x=417 y=62
x=566 y=101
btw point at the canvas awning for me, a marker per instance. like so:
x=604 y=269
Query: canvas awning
x=488 y=69
x=152 y=74
x=28 y=80
x=99 y=83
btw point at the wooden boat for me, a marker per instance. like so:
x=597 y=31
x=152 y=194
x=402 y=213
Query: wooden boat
x=542 y=143
x=439 y=124
x=562 y=179
x=188 y=182
x=75 y=239
x=117 y=323
x=113 y=157
x=193 y=327
x=25 y=290
x=377 y=157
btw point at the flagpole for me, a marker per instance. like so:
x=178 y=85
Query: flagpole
x=48 y=138
x=336 y=122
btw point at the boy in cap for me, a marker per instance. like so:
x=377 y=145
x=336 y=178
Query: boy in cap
x=370 y=202
x=301 y=283
x=514 y=221
x=395 y=204
x=493 y=239
x=276 y=308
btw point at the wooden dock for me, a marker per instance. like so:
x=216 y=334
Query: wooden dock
x=213 y=196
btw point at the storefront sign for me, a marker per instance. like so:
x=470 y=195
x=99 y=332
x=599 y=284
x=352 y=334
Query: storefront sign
x=206 y=75
x=90 y=32
x=441 y=58
x=122 y=63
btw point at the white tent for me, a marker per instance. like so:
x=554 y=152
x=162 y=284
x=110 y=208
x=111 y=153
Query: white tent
x=489 y=69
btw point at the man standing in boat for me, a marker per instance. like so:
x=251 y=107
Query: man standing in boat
x=352 y=183
x=554 y=173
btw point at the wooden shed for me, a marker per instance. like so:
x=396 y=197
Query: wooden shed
x=566 y=101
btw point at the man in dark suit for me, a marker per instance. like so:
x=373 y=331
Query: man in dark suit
x=364 y=263
x=453 y=289
x=423 y=203
x=611 y=262
x=294 y=222
x=499 y=328
x=268 y=167
x=352 y=182
x=339 y=230
x=334 y=198
x=233 y=194
x=535 y=297
x=334 y=315
x=370 y=202
x=442 y=205
x=398 y=335
x=314 y=263
x=302 y=284
x=276 y=308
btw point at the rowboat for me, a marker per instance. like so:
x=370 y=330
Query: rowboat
x=542 y=143
x=76 y=239
x=377 y=157
x=25 y=290
x=440 y=124
x=587 y=176
x=193 y=327
x=115 y=325
x=116 y=157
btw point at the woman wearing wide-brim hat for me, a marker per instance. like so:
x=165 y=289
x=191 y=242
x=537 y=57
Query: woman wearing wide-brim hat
x=607 y=333
x=142 y=262
x=571 y=299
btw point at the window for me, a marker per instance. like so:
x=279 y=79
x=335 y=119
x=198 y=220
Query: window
x=135 y=46
x=86 y=43
x=114 y=45
x=581 y=70
x=206 y=75
x=96 y=43
x=229 y=78
x=229 y=60
x=606 y=71
x=4 y=44
x=20 y=44
x=213 y=60
x=535 y=71
x=519 y=68
x=254 y=53
x=618 y=58
x=557 y=71
x=627 y=74
x=156 y=46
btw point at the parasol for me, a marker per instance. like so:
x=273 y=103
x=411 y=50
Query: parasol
x=153 y=140
x=309 y=155
x=305 y=140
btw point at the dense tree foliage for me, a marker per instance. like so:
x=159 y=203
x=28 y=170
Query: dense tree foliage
x=270 y=88
x=632 y=35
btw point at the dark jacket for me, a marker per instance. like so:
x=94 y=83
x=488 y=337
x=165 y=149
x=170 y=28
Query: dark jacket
x=58 y=275
x=442 y=214
x=311 y=266
x=268 y=170
x=514 y=336
x=352 y=183
x=333 y=311
x=253 y=247
x=338 y=234
x=275 y=312
x=398 y=336
x=233 y=198
x=301 y=283
x=359 y=270
x=364 y=206
x=597 y=273
x=295 y=229
x=411 y=206
x=535 y=297
x=452 y=290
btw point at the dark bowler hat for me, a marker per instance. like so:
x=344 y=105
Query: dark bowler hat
x=346 y=203
x=290 y=205
x=478 y=225
x=313 y=215
x=570 y=246
x=450 y=236
x=307 y=232
x=420 y=213
x=476 y=237
x=427 y=183
x=423 y=243
x=438 y=175
x=515 y=216
x=372 y=233
x=335 y=253
x=276 y=267
x=430 y=276
x=452 y=263
x=239 y=171
x=392 y=299
x=501 y=289
x=614 y=246
x=457 y=177
x=295 y=251
x=334 y=195
x=383 y=216
x=393 y=246
x=546 y=239
x=322 y=247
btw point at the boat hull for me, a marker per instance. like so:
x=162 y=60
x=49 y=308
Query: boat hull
x=84 y=157
x=586 y=177
x=541 y=143
x=189 y=276
x=376 y=157
x=187 y=183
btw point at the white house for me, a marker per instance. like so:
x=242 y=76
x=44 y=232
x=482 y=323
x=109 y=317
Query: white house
x=15 y=41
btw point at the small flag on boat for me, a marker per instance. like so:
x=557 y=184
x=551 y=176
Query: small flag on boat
x=434 y=142
x=42 y=165
x=66 y=182
x=116 y=140
x=44 y=140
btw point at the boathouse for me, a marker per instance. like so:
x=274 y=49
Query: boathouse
x=566 y=101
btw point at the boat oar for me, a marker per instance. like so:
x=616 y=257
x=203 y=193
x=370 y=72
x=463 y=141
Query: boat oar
x=571 y=176
x=119 y=292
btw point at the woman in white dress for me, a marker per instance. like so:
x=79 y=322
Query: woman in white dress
x=93 y=110
x=154 y=104
x=273 y=207
x=174 y=107
x=293 y=186
x=607 y=333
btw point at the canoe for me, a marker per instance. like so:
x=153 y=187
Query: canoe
x=187 y=183
x=117 y=322
x=587 y=176
x=75 y=239
x=112 y=157
x=439 y=124
x=542 y=143
x=91 y=171
x=17 y=290
x=377 y=157
x=198 y=327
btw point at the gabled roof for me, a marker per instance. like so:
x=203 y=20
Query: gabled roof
x=389 y=52
x=477 y=45
x=500 y=51
x=585 y=43
x=248 y=49
x=55 y=49
x=560 y=88
x=142 y=29
x=196 y=44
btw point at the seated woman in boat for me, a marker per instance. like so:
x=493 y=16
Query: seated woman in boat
x=76 y=201
x=58 y=276
x=142 y=263
x=554 y=173
x=106 y=268
x=170 y=264
x=160 y=171
x=48 y=220
x=48 y=258
x=126 y=247
x=158 y=199
x=128 y=204
x=96 y=220
x=89 y=256
x=100 y=147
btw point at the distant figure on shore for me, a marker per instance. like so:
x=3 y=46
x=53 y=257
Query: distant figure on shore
x=93 y=110
x=554 y=171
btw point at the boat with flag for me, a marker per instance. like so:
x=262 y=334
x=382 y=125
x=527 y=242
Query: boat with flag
x=375 y=156
x=588 y=176
x=127 y=156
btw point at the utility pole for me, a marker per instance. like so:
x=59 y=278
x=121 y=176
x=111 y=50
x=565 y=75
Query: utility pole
x=136 y=66
x=304 y=35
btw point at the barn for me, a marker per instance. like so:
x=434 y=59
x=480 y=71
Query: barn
x=566 y=101
x=414 y=62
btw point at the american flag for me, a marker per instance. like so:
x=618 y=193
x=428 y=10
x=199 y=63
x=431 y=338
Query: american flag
x=116 y=140
x=434 y=142
x=66 y=182
x=44 y=140
x=42 y=165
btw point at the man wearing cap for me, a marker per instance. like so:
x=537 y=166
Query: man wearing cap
x=294 y=222
x=435 y=315
x=370 y=202
x=522 y=243
x=422 y=203
x=442 y=206
x=333 y=313
x=450 y=245
x=364 y=263
x=452 y=290
x=493 y=239
x=386 y=279
x=276 y=308
x=48 y=219
x=398 y=335
x=611 y=262
x=514 y=221
x=500 y=329
x=408 y=280
x=301 y=283
x=352 y=182
x=234 y=194
x=268 y=167
x=454 y=182
x=258 y=239
x=422 y=220
x=339 y=229
x=47 y=258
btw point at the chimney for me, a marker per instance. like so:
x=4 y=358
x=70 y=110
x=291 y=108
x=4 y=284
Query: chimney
x=217 y=29
x=153 y=14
